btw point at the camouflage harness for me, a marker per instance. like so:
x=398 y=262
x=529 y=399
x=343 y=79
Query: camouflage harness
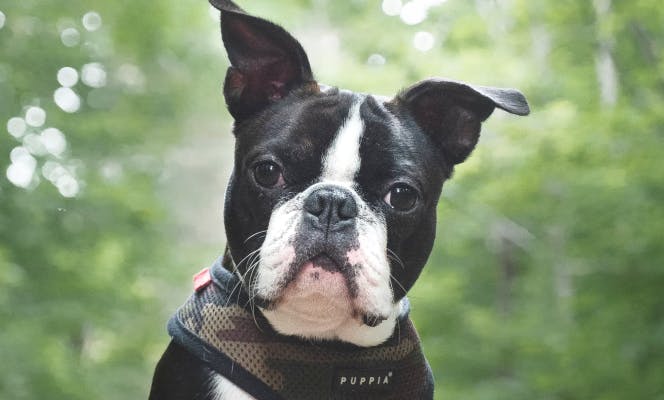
x=218 y=327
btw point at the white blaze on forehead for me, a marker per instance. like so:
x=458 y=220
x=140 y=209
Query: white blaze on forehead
x=342 y=160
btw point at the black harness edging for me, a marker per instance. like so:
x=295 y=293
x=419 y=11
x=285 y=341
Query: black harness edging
x=218 y=327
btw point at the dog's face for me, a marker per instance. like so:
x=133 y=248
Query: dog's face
x=338 y=184
x=331 y=209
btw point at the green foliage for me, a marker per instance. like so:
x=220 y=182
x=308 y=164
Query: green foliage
x=546 y=279
x=82 y=278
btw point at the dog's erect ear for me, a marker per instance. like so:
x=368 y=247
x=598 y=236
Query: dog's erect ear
x=266 y=61
x=452 y=112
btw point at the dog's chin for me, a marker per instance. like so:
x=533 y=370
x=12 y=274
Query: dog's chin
x=316 y=302
x=323 y=287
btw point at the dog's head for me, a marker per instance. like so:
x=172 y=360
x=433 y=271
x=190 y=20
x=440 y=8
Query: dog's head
x=331 y=209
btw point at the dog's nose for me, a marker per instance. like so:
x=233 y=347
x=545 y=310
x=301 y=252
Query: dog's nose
x=331 y=207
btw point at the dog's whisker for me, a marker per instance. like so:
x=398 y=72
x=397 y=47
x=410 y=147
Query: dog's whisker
x=231 y=294
x=392 y=278
x=247 y=256
x=255 y=234
x=240 y=276
x=251 y=271
x=243 y=277
x=253 y=314
x=252 y=297
x=395 y=257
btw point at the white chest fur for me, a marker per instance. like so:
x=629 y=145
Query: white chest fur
x=223 y=389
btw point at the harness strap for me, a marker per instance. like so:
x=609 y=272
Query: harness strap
x=219 y=327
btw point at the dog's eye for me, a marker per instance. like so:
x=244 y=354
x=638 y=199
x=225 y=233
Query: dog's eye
x=268 y=174
x=401 y=197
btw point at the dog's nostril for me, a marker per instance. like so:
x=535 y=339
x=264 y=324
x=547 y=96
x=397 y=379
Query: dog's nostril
x=347 y=208
x=314 y=204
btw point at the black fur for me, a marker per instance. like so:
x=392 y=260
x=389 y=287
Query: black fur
x=181 y=376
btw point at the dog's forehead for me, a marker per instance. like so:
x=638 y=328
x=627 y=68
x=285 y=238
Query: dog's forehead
x=337 y=135
x=311 y=123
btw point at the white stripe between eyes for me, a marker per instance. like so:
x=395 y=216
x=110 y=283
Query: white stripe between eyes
x=342 y=160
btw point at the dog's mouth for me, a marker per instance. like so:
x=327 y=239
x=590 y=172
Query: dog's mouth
x=317 y=273
x=324 y=261
x=320 y=267
x=322 y=275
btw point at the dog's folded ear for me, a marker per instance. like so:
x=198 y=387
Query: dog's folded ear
x=266 y=61
x=451 y=112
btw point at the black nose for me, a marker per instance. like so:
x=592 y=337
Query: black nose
x=331 y=207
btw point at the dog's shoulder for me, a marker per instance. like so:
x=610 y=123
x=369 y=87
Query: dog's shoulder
x=180 y=375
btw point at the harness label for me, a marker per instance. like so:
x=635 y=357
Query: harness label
x=202 y=279
x=350 y=380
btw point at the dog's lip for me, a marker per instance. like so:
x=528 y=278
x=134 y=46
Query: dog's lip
x=323 y=260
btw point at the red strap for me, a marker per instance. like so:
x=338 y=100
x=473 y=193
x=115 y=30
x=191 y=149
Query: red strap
x=202 y=279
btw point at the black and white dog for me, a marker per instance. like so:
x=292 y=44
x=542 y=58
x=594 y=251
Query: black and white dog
x=333 y=196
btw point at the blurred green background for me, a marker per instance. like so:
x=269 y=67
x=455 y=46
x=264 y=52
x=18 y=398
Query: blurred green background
x=547 y=279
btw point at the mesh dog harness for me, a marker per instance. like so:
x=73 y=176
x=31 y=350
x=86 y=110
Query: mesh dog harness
x=216 y=325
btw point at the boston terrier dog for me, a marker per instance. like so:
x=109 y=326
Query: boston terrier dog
x=330 y=216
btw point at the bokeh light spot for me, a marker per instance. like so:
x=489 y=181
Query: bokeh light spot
x=391 y=7
x=70 y=37
x=93 y=75
x=423 y=41
x=61 y=178
x=67 y=99
x=18 y=153
x=20 y=175
x=54 y=141
x=35 y=116
x=376 y=60
x=21 y=171
x=16 y=127
x=2 y=19
x=67 y=186
x=34 y=144
x=413 y=12
x=92 y=21
x=132 y=76
x=112 y=171
x=67 y=76
x=52 y=170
